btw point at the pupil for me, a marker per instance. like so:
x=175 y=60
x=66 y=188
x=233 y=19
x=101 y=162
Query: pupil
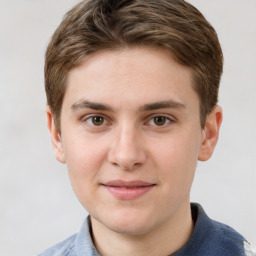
x=97 y=120
x=160 y=120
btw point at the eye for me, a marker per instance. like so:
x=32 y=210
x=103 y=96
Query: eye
x=96 y=120
x=159 y=121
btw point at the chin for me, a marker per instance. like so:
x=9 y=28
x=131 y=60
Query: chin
x=129 y=228
x=128 y=223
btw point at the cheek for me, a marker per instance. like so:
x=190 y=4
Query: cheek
x=177 y=158
x=83 y=164
x=83 y=154
x=84 y=160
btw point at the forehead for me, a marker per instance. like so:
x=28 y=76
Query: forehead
x=129 y=76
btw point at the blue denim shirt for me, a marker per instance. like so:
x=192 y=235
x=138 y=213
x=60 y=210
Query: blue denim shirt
x=209 y=238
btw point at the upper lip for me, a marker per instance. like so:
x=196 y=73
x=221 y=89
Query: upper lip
x=128 y=184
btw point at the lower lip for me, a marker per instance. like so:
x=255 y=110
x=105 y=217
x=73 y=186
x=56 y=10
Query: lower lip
x=124 y=193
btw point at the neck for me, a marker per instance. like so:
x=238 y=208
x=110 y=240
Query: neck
x=165 y=239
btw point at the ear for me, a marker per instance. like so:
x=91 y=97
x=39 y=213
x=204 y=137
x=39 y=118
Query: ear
x=55 y=137
x=210 y=133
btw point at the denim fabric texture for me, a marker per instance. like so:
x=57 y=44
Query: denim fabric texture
x=209 y=238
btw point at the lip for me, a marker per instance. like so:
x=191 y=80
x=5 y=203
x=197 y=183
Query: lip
x=128 y=190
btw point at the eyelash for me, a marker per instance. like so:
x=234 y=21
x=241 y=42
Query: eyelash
x=167 y=121
x=91 y=120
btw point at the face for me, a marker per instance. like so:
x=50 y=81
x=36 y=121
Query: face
x=131 y=137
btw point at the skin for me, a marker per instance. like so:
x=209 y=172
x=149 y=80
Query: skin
x=147 y=128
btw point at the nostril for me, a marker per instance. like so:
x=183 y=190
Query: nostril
x=127 y=163
x=126 y=151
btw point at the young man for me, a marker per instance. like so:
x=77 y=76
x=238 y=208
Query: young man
x=132 y=88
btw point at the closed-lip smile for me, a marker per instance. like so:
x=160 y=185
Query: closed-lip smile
x=128 y=190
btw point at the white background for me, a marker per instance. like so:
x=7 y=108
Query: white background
x=37 y=205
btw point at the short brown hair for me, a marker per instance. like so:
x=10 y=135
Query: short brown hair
x=173 y=25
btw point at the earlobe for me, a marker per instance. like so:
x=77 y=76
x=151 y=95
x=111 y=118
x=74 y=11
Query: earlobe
x=210 y=133
x=55 y=137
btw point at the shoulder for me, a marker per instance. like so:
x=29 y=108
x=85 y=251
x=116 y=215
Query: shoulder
x=227 y=239
x=216 y=238
x=78 y=244
x=64 y=248
x=249 y=250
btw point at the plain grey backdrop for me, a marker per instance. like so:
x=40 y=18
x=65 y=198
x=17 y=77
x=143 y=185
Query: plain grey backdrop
x=37 y=205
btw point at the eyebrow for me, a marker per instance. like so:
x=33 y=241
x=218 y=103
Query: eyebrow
x=82 y=104
x=163 y=104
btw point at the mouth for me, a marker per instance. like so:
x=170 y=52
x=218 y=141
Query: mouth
x=128 y=190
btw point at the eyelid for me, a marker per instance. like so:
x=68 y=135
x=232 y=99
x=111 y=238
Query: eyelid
x=108 y=121
x=85 y=119
x=170 y=119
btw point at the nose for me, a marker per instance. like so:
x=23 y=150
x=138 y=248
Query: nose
x=127 y=150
